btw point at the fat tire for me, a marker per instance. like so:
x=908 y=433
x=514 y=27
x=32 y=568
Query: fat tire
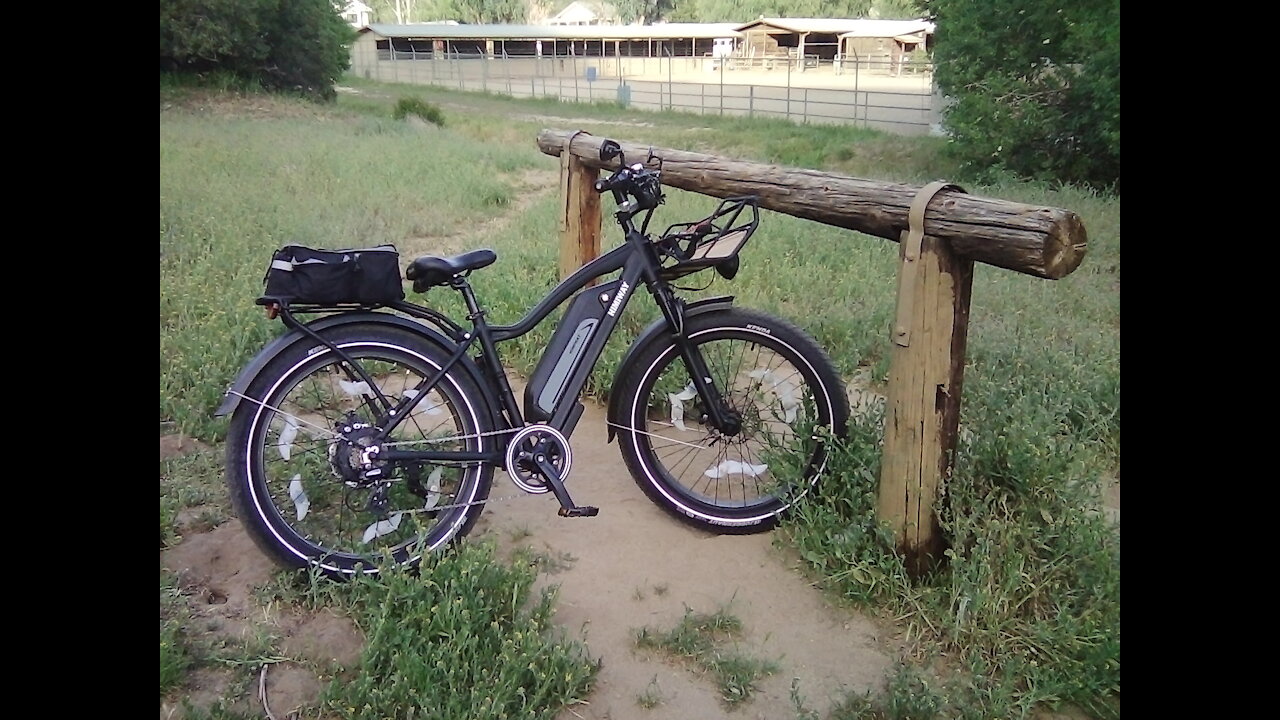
x=753 y=329
x=247 y=446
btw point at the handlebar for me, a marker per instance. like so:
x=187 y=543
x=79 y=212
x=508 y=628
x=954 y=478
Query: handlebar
x=615 y=181
x=637 y=181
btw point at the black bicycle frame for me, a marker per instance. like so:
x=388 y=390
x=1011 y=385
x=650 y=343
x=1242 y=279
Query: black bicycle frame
x=639 y=262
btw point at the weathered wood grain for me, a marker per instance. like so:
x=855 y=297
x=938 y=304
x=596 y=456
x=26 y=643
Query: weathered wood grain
x=1042 y=241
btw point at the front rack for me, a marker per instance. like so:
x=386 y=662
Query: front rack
x=714 y=240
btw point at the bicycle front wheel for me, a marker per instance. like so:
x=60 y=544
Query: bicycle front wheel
x=292 y=443
x=778 y=384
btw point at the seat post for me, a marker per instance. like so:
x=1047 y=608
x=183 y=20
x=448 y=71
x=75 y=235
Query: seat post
x=474 y=311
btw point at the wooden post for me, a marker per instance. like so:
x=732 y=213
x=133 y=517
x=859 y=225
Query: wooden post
x=580 y=218
x=922 y=410
x=922 y=414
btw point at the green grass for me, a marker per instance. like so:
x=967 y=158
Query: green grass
x=234 y=189
x=1027 y=605
x=1025 y=611
x=468 y=625
x=191 y=484
x=708 y=642
x=467 y=637
x=175 y=657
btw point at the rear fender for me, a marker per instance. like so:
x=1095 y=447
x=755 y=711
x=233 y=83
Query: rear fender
x=657 y=331
x=292 y=337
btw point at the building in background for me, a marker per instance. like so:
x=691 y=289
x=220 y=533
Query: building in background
x=357 y=13
x=586 y=12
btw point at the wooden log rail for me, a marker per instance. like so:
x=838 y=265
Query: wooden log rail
x=1041 y=241
x=941 y=230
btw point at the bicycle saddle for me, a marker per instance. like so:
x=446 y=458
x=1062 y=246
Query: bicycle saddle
x=429 y=271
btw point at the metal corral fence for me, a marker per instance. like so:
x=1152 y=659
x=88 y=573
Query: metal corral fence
x=875 y=92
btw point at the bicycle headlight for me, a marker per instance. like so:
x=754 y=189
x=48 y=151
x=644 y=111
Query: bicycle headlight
x=648 y=191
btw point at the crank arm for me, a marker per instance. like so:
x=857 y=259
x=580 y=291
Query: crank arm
x=567 y=507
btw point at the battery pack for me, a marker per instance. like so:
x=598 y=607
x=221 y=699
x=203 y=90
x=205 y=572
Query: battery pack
x=564 y=353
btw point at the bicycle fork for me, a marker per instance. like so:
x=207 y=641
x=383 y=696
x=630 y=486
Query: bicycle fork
x=720 y=416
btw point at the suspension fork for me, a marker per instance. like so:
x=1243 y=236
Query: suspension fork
x=719 y=414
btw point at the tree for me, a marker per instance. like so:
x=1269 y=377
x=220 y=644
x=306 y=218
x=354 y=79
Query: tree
x=489 y=11
x=403 y=10
x=644 y=12
x=298 y=45
x=310 y=47
x=202 y=35
x=744 y=11
x=897 y=9
x=1034 y=87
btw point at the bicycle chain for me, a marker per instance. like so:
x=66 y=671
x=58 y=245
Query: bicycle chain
x=532 y=495
x=453 y=506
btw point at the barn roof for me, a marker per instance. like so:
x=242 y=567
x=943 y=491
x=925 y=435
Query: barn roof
x=844 y=27
x=553 y=32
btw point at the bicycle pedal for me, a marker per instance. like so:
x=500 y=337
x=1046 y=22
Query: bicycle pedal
x=583 y=511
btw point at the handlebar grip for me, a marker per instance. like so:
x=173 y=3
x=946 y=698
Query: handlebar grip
x=614 y=181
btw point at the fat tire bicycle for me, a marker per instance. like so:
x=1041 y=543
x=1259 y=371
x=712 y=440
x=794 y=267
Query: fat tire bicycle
x=369 y=435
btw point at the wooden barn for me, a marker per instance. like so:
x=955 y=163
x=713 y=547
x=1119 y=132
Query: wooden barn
x=425 y=41
x=810 y=41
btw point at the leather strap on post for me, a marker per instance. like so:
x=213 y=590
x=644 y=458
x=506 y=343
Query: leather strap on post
x=564 y=178
x=910 y=254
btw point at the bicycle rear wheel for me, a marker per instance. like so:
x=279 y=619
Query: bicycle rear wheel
x=290 y=455
x=774 y=379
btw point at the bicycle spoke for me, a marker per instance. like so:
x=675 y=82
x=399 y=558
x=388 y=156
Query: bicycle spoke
x=767 y=393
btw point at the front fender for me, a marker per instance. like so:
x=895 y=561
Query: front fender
x=287 y=340
x=657 y=330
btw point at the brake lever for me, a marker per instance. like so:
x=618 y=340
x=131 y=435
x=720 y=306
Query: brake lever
x=653 y=157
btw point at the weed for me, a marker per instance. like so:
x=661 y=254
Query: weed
x=175 y=657
x=651 y=696
x=912 y=694
x=493 y=650
x=706 y=640
x=407 y=106
x=545 y=561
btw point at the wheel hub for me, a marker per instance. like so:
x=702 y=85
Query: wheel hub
x=732 y=422
x=353 y=455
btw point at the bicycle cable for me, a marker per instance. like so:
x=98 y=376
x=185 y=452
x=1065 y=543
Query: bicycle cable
x=333 y=434
x=661 y=437
x=468 y=463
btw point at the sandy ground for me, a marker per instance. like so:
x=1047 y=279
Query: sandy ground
x=635 y=566
x=630 y=567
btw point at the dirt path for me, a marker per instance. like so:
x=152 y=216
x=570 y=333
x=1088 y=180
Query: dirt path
x=632 y=566
x=635 y=566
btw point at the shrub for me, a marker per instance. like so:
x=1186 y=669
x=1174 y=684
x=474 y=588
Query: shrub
x=1034 y=88
x=299 y=45
x=407 y=106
